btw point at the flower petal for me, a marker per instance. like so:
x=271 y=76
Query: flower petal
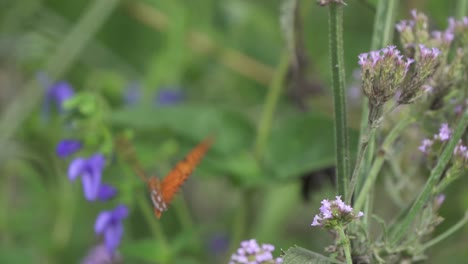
x=91 y=184
x=102 y=221
x=67 y=147
x=76 y=168
x=120 y=212
x=112 y=236
x=106 y=192
x=97 y=162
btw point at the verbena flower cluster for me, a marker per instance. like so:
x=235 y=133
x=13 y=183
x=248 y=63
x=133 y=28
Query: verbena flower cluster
x=449 y=71
x=431 y=146
x=89 y=170
x=334 y=214
x=251 y=252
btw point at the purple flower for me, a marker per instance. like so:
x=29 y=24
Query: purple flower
x=461 y=151
x=106 y=192
x=58 y=93
x=68 y=147
x=425 y=145
x=444 y=132
x=90 y=171
x=251 y=252
x=218 y=244
x=109 y=224
x=169 y=97
x=100 y=255
x=334 y=213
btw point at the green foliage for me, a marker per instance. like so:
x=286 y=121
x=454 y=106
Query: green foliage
x=298 y=255
x=222 y=56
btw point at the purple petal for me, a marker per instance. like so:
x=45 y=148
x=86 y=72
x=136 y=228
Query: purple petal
x=67 y=147
x=91 y=186
x=59 y=93
x=112 y=236
x=76 y=168
x=97 y=162
x=106 y=192
x=100 y=255
x=120 y=212
x=102 y=221
x=169 y=97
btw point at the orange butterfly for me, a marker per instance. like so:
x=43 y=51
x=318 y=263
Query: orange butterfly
x=162 y=192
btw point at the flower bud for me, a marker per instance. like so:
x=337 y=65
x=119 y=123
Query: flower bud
x=382 y=73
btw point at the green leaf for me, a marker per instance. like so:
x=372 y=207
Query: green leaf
x=298 y=255
x=302 y=143
x=147 y=250
x=232 y=130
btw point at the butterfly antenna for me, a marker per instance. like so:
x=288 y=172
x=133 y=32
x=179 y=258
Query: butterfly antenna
x=127 y=152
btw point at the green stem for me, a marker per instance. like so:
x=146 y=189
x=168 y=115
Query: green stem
x=339 y=96
x=446 y=234
x=346 y=245
x=183 y=213
x=436 y=173
x=271 y=101
x=59 y=63
x=379 y=160
x=152 y=222
x=461 y=8
x=240 y=221
x=382 y=35
x=364 y=142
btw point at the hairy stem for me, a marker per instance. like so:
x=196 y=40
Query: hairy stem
x=339 y=96
x=436 y=173
x=346 y=245
x=379 y=160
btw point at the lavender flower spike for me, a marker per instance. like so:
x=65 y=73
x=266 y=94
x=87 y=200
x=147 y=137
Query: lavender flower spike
x=335 y=213
x=109 y=224
x=251 y=252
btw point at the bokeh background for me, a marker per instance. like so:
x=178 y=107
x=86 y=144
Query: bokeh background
x=171 y=72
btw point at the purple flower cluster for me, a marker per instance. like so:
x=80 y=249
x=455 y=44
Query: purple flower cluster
x=251 y=252
x=458 y=26
x=108 y=223
x=90 y=170
x=382 y=73
x=444 y=135
x=415 y=31
x=335 y=213
x=461 y=152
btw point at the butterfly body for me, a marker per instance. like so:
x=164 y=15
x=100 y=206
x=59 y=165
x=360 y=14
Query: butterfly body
x=156 y=195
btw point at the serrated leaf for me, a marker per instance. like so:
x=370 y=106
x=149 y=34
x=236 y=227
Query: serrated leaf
x=301 y=144
x=298 y=255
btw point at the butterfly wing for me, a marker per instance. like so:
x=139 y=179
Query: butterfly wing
x=172 y=182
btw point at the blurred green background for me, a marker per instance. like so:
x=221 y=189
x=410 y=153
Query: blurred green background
x=222 y=56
